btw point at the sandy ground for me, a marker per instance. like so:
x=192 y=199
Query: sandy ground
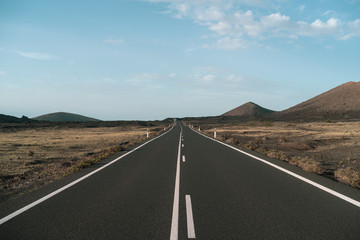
x=33 y=157
x=328 y=148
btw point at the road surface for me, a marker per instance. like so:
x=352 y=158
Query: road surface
x=183 y=185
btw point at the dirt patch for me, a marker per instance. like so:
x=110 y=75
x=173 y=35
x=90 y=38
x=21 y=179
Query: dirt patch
x=327 y=148
x=31 y=157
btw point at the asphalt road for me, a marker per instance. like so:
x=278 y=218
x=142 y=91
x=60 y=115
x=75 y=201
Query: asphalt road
x=183 y=185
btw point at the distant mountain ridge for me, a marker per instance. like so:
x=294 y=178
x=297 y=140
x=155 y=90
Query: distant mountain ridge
x=248 y=109
x=341 y=102
x=11 y=119
x=65 y=117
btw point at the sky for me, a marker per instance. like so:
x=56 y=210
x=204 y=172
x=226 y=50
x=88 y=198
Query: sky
x=153 y=59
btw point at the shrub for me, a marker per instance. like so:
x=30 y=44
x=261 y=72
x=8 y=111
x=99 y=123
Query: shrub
x=349 y=176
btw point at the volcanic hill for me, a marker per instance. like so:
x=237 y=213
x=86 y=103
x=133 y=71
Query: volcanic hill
x=248 y=109
x=342 y=102
x=64 y=117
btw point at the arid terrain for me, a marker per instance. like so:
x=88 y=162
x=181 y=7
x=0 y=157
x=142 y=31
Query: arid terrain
x=326 y=148
x=35 y=154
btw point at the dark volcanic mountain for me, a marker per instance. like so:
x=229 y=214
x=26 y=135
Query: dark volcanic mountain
x=12 y=119
x=249 y=109
x=64 y=117
x=342 y=102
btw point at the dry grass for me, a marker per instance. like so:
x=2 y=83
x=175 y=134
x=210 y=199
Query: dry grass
x=30 y=158
x=327 y=148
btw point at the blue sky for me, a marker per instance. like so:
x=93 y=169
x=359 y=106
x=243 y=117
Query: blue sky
x=119 y=60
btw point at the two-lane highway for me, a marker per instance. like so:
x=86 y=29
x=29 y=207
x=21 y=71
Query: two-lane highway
x=183 y=185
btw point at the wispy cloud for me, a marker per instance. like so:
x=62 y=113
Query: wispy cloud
x=302 y=8
x=2 y=73
x=227 y=43
x=32 y=55
x=355 y=30
x=36 y=55
x=220 y=80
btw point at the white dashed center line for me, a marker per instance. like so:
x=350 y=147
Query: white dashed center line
x=189 y=217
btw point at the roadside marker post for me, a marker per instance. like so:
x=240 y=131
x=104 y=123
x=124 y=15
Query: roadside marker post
x=147 y=133
x=215 y=133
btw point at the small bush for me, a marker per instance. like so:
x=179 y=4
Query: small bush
x=329 y=121
x=267 y=124
x=307 y=164
x=349 y=176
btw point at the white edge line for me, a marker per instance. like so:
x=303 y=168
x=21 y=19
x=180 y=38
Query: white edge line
x=328 y=190
x=189 y=217
x=175 y=212
x=33 y=204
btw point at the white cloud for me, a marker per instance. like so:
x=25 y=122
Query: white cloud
x=208 y=78
x=221 y=28
x=182 y=10
x=2 y=73
x=328 y=12
x=234 y=24
x=354 y=27
x=36 y=55
x=211 y=14
x=32 y=55
x=330 y=24
x=331 y=27
x=227 y=43
x=172 y=75
x=274 y=20
x=114 y=41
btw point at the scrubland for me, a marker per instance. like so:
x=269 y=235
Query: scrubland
x=31 y=157
x=326 y=148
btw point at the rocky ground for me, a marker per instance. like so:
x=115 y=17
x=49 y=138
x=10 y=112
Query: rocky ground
x=327 y=148
x=33 y=155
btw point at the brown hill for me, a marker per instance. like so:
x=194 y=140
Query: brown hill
x=249 y=109
x=342 y=102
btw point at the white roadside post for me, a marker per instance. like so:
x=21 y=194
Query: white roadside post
x=199 y=129
x=147 y=133
x=215 y=133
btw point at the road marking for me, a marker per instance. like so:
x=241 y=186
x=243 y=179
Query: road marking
x=189 y=218
x=175 y=213
x=182 y=145
x=317 y=185
x=33 y=204
x=183 y=158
